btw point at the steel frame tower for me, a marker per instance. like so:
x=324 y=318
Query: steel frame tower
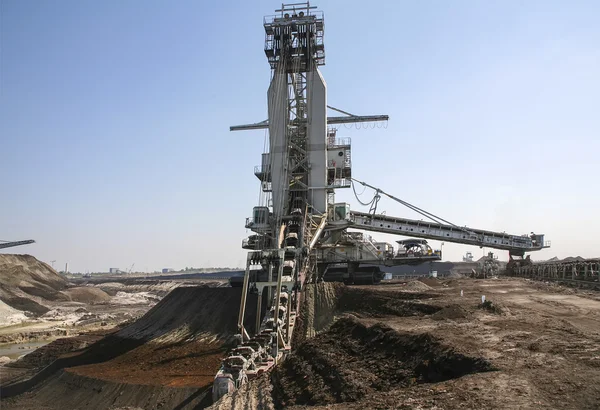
x=300 y=177
x=300 y=230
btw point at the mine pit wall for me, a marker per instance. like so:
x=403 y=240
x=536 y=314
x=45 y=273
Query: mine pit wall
x=318 y=308
x=322 y=303
x=186 y=313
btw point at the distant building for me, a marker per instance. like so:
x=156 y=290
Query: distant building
x=167 y=270
x=113 y=270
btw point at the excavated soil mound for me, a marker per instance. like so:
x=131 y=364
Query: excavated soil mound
x=87 y=295
x=431 y=282
x=193 y=312
x=451 y=312
x=323 y=302
x=66 y=390
x=494 y=308
x=351 y=361
x=376 y=303
x=417 y=285
x=25 y=283
x=178 y=343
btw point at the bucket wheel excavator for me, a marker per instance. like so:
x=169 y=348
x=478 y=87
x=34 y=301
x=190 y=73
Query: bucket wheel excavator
x=300 y=234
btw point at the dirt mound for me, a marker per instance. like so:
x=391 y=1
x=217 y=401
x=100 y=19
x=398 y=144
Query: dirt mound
x=10 y=315
x=323 y=302
x=179 y=343
x=159 y=288
x=377 y=303
x=66 y=390
x=26 y=283
x=86 y=295
x=417 y=285
x=351 y=361
x=431 y=282
x=494 y=308
x=451 y=312
x=191 y=312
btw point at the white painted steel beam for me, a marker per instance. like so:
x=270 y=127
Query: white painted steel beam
x=330 y=121
x=436 y=231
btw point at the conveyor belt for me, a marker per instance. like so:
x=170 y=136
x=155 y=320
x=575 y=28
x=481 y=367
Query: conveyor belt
x=436 y=231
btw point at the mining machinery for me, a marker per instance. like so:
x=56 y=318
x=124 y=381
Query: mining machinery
x=300 y=233
x=8 y=244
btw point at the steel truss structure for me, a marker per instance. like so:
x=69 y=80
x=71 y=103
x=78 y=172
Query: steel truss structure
x=5 y=244
x=300 y=233
x=584 y=273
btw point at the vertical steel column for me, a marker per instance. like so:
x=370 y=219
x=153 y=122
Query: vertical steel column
x=269 y=288
x=243 y=301
x=258 y=308
x=281 y=253
x=287 y=330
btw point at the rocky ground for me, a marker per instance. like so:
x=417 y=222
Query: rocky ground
x=408 y=345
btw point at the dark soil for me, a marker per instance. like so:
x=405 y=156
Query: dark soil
x=491 y=307
x=25 y=304
x=351 y=361
x=46 y=354
x=369 y=302
x=451 y=312
x=44 y=292
x=180 y=343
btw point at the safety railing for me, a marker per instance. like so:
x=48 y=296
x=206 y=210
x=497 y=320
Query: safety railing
x=339 y=142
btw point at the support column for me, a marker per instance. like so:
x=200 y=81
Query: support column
x=276 y=302
x=258 y=311
x=243 y=300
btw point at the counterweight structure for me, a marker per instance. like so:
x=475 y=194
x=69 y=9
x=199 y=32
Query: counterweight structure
x=300 y=233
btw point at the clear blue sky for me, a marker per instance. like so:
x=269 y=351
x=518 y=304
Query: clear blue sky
x=114 y=121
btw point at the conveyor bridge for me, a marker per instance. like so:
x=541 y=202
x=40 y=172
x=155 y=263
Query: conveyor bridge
x=515 y=244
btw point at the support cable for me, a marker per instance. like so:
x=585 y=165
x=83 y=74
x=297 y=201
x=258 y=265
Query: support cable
x=358 y=199
x=420 y=211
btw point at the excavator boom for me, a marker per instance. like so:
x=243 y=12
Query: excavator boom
x=16 y=243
